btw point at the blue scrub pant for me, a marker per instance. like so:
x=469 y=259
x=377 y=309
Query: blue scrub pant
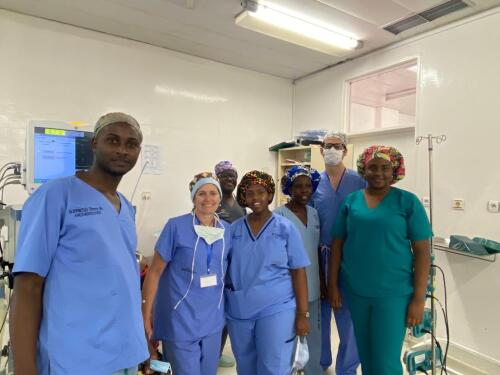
x=198 y=357
x=347 y=356
x=380 y=327
x=313 y=366
x=263 y=346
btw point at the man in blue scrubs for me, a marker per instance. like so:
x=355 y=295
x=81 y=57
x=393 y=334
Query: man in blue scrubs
x=336 y=183
x=76 y=305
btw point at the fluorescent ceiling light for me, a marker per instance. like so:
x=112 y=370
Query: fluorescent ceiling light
x=285 y=26
x=400 y=94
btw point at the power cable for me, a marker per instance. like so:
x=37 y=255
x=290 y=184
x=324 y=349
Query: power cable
x=138 y=179
x=9 y=181
x=446 y=316
x=447 y=327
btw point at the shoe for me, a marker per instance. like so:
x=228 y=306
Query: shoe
x=226 y=361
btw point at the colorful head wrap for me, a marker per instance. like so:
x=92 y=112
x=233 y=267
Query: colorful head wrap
x=224 y=165
x=389 y=153
x=254 y=178
x=296 y=171
x=201 y=179
x=336 y=134
x=115 y=118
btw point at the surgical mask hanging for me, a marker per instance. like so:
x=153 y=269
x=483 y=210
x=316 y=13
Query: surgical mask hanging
x=209 y=234
x=210 y=237
x=333 y=156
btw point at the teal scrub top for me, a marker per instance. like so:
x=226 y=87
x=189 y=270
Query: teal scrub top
x=377 y=259
x=310 y=238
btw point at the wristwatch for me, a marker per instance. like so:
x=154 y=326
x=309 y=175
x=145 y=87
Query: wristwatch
x=303 y=313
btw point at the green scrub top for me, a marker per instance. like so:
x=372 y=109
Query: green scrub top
x=377 y=259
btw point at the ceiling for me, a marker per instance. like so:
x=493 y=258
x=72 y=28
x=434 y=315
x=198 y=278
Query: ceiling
x=206 y=28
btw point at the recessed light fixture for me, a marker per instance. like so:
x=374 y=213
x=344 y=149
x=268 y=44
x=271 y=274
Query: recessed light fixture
x=285 y=25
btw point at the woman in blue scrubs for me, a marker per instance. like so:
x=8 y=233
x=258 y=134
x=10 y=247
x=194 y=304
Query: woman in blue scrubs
x=299 y=183
x=186 y=283
x=266 y=290
x=381 y=247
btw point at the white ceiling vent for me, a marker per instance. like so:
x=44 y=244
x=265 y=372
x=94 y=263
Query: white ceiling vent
x=426 y=16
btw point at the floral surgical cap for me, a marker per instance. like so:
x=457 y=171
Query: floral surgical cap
x=389 y=153
x=254 y=178
x=224 y=165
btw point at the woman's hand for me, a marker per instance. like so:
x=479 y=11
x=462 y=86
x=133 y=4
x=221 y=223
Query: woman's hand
x=335 y=298
x=415 y=312
x=301 y=325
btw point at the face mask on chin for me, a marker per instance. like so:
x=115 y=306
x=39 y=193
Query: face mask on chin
x=333 y=156
x=209 y=234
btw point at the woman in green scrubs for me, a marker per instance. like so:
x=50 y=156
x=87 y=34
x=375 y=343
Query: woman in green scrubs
x=381 y=251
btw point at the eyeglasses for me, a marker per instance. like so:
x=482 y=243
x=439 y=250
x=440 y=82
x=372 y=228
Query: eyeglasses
x=336 y=146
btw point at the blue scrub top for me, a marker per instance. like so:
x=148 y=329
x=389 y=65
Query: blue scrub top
x=201 y=313
x=259 y=281
x=310 y=238
x=72 y=235
x=327 y=201
x=377 y=260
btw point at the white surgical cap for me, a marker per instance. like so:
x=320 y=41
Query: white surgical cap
x=336 y=134
x=116 y=117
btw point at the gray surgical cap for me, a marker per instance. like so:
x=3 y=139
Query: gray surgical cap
x=336 y=134
x=116 y=117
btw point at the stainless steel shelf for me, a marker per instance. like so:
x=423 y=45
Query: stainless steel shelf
x=442 y=246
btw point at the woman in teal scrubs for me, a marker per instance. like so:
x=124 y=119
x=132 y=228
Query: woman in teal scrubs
x=381 y=252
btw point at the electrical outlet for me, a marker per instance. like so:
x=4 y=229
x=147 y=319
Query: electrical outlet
x=426 y=201
x=493 y=206
x=146 y=195
x=458 y=204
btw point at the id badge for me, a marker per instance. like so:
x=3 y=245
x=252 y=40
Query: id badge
x=208 y=280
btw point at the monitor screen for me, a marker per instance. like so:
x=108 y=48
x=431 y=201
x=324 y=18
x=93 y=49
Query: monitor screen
x=55 y=151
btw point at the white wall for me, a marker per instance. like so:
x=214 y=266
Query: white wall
x=199 y=113
x=457 y=96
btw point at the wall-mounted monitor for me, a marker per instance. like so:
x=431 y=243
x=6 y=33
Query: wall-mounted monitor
x=53 y=150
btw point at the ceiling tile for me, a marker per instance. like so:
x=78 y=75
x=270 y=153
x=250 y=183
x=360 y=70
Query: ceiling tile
x=378 y=13
x=417 y=6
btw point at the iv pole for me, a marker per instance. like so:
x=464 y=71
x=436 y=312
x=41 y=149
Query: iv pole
x=430 y=147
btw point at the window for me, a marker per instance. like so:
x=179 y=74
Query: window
x=383 y=100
